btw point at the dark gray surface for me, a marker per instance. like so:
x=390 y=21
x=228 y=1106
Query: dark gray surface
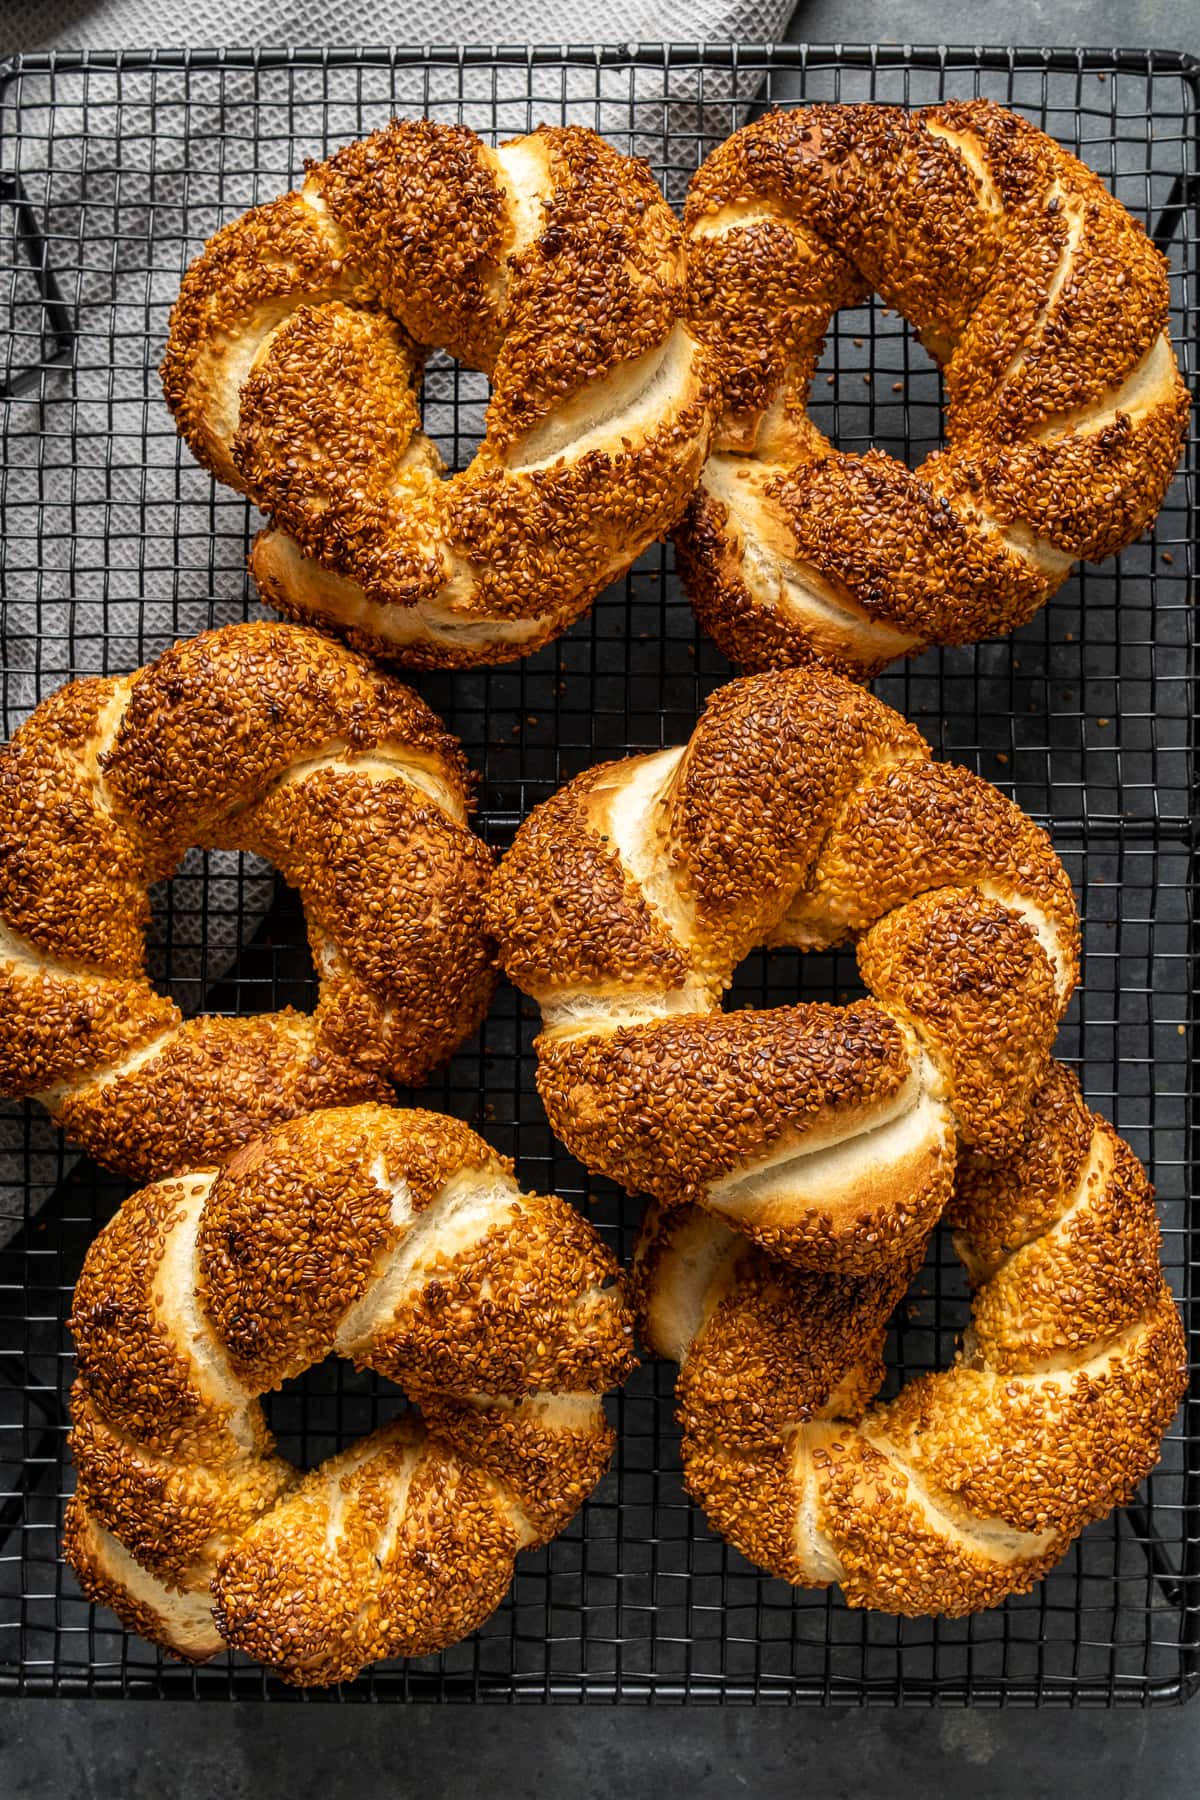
x=79 y=1748
x=73 y=1749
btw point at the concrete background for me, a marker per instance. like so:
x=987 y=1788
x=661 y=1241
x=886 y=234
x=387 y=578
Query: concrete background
x=139 y=1751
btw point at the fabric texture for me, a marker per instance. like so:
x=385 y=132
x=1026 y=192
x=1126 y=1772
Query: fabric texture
x=124 y=24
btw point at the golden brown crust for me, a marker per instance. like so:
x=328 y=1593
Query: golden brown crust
x=139 y=1377
x=976 y=984
x=526 y=1307
x=760 y=298
x=600 y=286
x=326 y=417
x=971 y=1484
x=103 y=1586
x=212 y=1084
x=1001 y=1203
x=776 y=1346
x=414 y=974
x=549 y=1468
x=400 y=1239
x=572 y=915
x=553 y=263
x=282 y=696
x=1040 y=295
x=669 y=1107
x=419 y=205
x=258 y=737
x=804 y=812
x=63 y=858
x=175 y=1518
x=766 y=769
x=542 y=542
x=241 y=288
x=910 y=828
x=59 y=1027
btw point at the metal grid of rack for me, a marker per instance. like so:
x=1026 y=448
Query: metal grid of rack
x=113 y=170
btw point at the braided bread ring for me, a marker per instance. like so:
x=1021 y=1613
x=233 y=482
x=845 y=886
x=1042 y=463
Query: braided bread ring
x=802 y=811
x=258 y=737
x=1045 y=305
x=294 y=359
x=400 y=1240
x=972 y=1483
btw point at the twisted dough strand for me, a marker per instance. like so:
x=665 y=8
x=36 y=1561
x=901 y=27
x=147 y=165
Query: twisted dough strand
x=294 y=359
x=1045 y=305
x=399 y=1240
x=971 y=1484
x=802 y=811
x=262 y=738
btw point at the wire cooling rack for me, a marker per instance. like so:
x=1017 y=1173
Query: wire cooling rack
x=113 y=171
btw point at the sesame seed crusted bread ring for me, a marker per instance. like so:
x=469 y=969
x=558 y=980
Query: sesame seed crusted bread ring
x=1046 y=307
x=258 y=737
x=402 y=1241
x=971 y=1484
x=801 y=812
x=293 y=366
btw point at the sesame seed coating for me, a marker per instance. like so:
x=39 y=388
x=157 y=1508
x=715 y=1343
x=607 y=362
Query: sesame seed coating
x=999 y=1204
x=397 y=1238
x=600 y=285
x=921 y=825
x=977 y=986
x=293 y=366
x=240 y=290
x=801 y=812
x=86 y=1549
x=421 y=210
x=56 y=1026
x=175 y=1518
x=971 y=1484
x=214 y=1083
x=551 y=1469
x=763 y=775
x=63 y=857
x=280 y=696
x=325 y=425
x=316 y=1611
x=258 y=737
x=375 y=863
x=140 y=1374
x=574 y=916
x=1046 y=306
x=525 y=1307
x=671 y=1108
x=778 y=1343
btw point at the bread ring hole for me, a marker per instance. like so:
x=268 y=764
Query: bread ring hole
x=227 y=935
x=925 y=1331
x=876 y=387
x=454 y=402
x=784 y=976
x=329 y=1408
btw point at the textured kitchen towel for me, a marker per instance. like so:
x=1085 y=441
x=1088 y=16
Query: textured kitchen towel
x=117 y=543
x=117 y=24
